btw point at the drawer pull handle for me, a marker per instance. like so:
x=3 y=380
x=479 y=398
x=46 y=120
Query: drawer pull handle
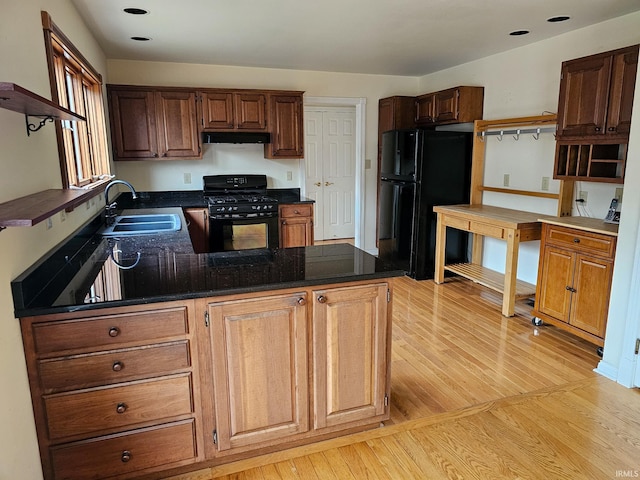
x=301 y=301
x=121 y=408
x=114 y=331
x=296 y=212
x=576 y=240
x=117 y=366
x=322 y=299
x=126 y=456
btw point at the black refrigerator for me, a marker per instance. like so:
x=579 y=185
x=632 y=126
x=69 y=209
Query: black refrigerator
x=420 y=169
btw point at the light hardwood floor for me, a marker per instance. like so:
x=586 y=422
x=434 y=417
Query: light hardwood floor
x=475 y=395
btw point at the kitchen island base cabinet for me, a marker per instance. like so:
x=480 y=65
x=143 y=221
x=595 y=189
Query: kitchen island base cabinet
x=295 y=367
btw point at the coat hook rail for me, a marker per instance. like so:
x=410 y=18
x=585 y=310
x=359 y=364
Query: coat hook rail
x=517 y=132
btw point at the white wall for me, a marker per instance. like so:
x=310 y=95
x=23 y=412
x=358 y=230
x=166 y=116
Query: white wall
x=29 y=164
x=159 y=175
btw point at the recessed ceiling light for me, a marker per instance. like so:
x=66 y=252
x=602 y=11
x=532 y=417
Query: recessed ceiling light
x=141 y=39
x=559 y=18
x=516 y=33
x=136 y=11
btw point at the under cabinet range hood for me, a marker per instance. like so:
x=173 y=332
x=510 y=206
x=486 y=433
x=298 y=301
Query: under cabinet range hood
x=236 y=137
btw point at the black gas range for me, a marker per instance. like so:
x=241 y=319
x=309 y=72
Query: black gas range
x=241 y=213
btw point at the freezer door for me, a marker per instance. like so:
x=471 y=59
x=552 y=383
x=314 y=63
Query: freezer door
x=397 y=201
x=399 y=155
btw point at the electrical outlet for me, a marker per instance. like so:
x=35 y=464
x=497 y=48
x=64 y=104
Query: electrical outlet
x=505 y=180
x=63 y=216
x=49 y=223
x=187 y=178
x=367 y=164
x=582 y=195
x=545 y=183
x=618 y=195
x=289 y=175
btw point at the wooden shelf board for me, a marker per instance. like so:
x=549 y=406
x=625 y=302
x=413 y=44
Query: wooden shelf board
x=32 y=209
x=527 y=193
x=490 y=278
x=14 y=97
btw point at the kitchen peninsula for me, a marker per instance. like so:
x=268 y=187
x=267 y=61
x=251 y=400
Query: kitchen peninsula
x=146 y=358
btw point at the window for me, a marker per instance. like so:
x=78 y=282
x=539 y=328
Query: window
x=75 y=84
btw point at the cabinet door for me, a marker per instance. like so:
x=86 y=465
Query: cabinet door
x=250 y=111
x=445 y=106
x=554 y=299
x=590 y=302
x=296 y=225
x=623 y=81
x=286 y=125
x=584 y=91
x=198 y=226
x=133 y=124
x=259 y=370
x=177 y=125
x=425 y=109
x=217 y=110
x=349 y=354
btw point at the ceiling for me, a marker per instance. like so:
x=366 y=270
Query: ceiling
x=393 y=37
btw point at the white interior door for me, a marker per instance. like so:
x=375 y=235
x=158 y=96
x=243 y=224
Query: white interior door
x=330 y=144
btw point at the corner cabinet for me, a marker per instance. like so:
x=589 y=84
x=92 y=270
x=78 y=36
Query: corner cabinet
x=296 y=225
x=594 y=115
x=151 y=123
x=286 y=125
x=574 y=280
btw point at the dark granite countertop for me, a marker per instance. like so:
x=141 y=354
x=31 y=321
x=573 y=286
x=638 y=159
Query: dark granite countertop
x=89 y=271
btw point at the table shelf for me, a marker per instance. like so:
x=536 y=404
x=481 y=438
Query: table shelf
x=490 y=278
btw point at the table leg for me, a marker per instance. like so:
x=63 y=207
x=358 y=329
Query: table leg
x=441 y=238
x=510 y=273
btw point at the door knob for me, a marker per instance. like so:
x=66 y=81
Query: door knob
x=317 y=184
x=326 y=184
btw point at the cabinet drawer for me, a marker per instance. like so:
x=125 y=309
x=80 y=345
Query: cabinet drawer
x=110 y=330
x=300 y=210
x=487 y=229
x=579 y=240
x=114 y=366
x=127 y=453
x=456 y=222
x=90 y=411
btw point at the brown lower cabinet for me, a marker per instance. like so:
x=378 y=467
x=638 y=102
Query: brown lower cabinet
x=296 y=225
x=574 y=280
x=130 y=391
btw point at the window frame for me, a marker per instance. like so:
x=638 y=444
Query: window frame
x=82 y=146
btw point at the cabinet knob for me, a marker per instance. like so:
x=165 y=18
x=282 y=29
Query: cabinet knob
x=571 y=289
x=121 y=408
x=117 y=366
x=126 y=456
x=284 y=222
x=322 y=299
x=612 y=129
x=114 y=331
x=301 y=301
x=296 y=212
x=155 y=155
x=597 y=129
x=576 y=240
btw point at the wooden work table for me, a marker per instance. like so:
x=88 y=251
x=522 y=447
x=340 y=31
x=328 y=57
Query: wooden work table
x=512 y=226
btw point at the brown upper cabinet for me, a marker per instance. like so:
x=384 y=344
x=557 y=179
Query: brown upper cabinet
x=454 y=105
x=231 y=110
x=286 y=126
x=153 y=123
x=395 y=113
x=596 y=95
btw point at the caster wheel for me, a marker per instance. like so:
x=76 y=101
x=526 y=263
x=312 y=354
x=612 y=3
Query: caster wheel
x=599 y=351
x=536 y=321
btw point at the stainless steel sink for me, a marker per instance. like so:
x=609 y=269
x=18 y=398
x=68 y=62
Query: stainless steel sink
x=143 y=224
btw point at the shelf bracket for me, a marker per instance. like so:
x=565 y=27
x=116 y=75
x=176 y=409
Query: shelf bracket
x=32 y=127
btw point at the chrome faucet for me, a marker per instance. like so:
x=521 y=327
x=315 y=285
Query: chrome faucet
x=110 y=208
